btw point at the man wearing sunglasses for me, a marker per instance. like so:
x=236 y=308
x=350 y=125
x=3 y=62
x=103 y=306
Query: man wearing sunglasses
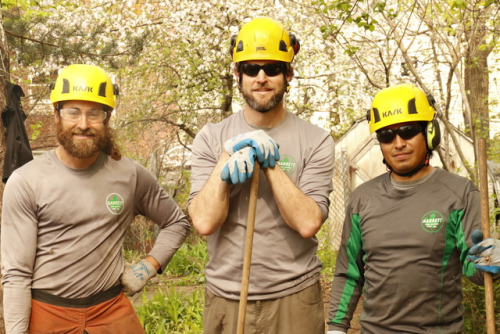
x=65 y=215
x=284 y=295
x=407 y=233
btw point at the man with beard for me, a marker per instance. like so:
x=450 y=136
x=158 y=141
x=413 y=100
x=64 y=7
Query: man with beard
x=64 y=219
x=284 y=293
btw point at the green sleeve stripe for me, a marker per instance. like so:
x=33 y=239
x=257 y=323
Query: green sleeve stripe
x=354 y=245
x=468 y=268
x=449 y=245
x=455 y=237
x=456 y=218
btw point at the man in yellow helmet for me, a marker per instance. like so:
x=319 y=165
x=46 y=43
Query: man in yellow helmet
x=284 y=293
x=407 y=233
x=65 y=215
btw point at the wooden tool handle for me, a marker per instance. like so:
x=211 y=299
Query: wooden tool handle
x=485 y=227
x=252 y=206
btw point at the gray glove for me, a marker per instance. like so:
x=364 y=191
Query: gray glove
x=135 y=277
x=239 y=167
x=266 y=149
x=485 y=254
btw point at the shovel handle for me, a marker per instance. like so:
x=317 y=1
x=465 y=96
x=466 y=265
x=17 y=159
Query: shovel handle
x=485 y=227
x=252 y=206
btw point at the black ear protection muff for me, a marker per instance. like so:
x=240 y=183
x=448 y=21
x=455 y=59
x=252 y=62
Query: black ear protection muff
x=432 y=131
x=116 y=90
x=432 y=134
x=294 y=42
x=233 y=43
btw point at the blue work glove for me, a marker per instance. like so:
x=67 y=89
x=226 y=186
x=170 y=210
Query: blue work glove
x=485 y=253
x=239 y=167
x=265 y=147
x=135 y=277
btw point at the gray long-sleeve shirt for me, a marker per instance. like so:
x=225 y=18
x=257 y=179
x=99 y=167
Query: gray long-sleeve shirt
x=282 y=261
x=406 y=250
x=63 y=229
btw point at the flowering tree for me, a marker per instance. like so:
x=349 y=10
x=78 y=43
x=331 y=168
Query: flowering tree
x=441 y=46
x=171 y=58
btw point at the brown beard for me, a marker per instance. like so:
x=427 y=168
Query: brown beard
x=100 y=141
x=263 y=107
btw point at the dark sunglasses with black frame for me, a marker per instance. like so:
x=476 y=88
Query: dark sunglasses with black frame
x=407 y=131
x=270 y=69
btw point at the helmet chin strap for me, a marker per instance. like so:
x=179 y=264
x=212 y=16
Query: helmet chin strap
x=413 y=171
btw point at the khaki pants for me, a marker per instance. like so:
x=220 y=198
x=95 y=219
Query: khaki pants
x=300 y=313
x=116 y=315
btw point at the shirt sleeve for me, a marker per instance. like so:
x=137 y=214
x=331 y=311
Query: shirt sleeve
x=316 y=178
x=469 y=220
x=348 y=280
x=18 y=249
x=17 y=314
x=154 y=203
x=206 y=152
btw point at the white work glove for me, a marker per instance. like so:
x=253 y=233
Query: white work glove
x=135 y=277
x=239 y=167
x=265 y=147
x=335 y=332
x=485 y=253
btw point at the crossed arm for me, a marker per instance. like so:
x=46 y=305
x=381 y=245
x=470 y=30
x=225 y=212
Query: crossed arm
x=209 y=208
x=298 y=210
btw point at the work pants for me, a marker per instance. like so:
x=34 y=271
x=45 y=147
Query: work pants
x=51 y=314
x=300 y=313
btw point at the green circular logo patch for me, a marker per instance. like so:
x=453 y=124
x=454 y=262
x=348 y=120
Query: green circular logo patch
x=115 y=203
x=288 y=164
x=432 y=221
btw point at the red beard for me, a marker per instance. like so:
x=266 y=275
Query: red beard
x=97 y=141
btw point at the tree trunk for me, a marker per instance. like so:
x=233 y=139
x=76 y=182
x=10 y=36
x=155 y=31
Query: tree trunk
x=476 y=78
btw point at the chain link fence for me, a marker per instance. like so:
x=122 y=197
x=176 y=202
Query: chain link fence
x=339 y=198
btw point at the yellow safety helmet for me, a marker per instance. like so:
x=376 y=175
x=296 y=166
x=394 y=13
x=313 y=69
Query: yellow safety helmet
x=86 y=83
x=399 y=104
x=264 y=39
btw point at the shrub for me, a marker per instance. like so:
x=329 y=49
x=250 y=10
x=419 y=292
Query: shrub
x=189 y=262
x=474 y=307
x=173 y=312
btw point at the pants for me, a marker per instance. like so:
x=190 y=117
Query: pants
x=115 y=315
x=302 y=312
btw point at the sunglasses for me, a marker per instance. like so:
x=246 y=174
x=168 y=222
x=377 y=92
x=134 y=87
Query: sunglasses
x=271 y=69
x=406 y=132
